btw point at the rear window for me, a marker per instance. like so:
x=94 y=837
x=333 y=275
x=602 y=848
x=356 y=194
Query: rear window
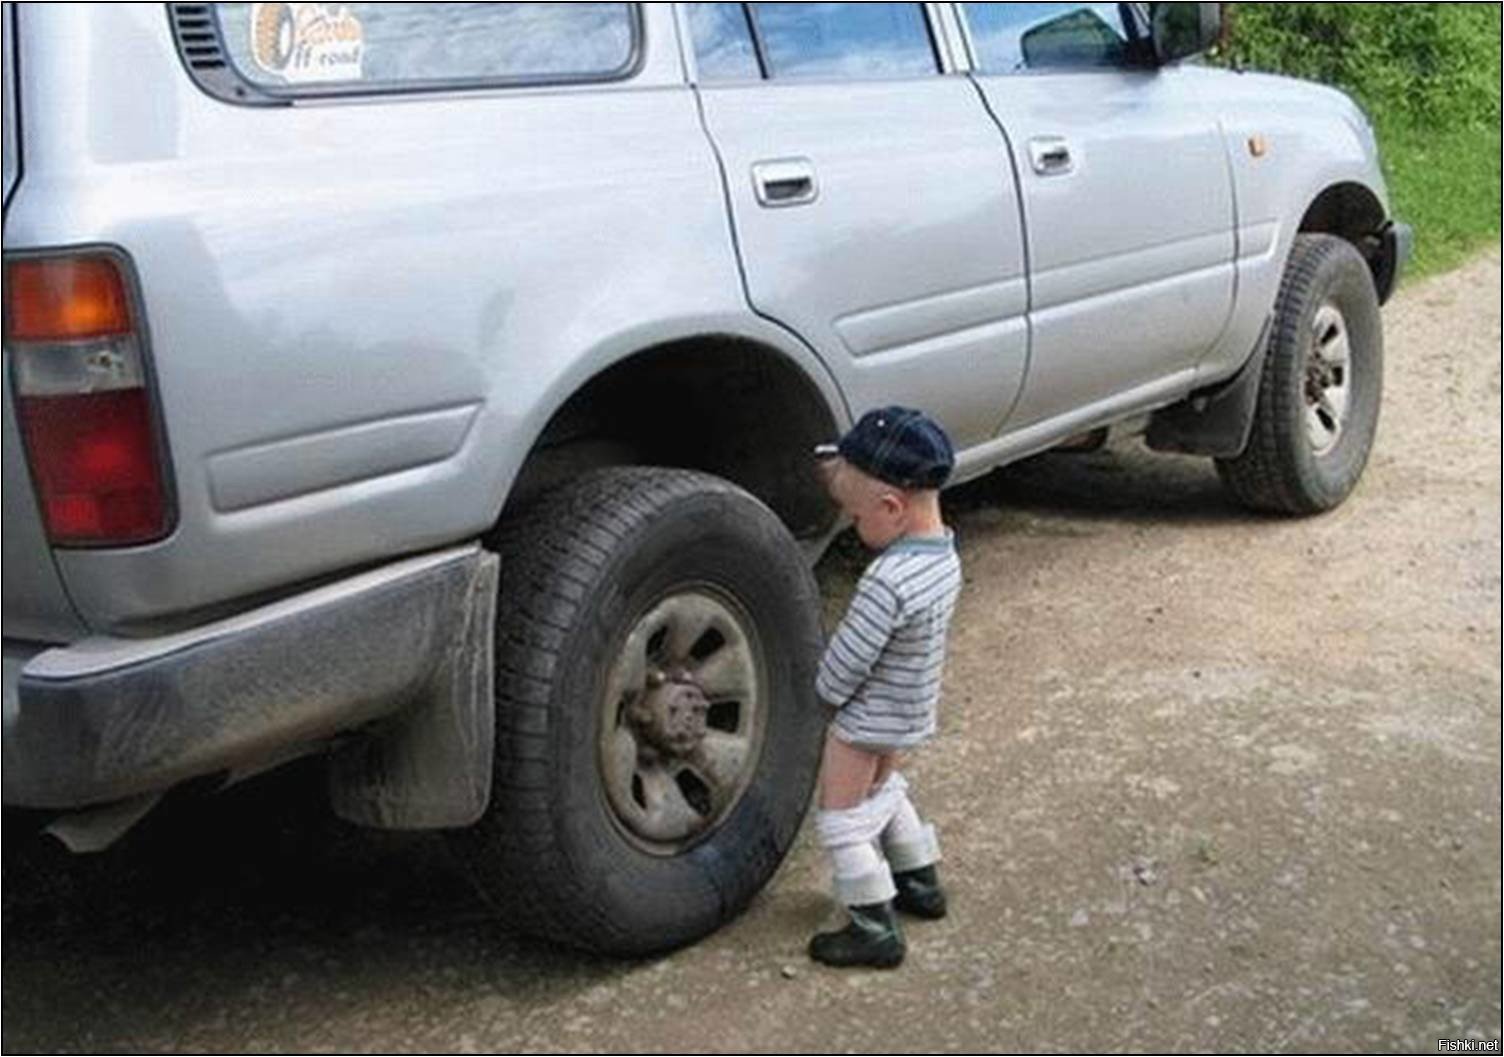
x=289 y=50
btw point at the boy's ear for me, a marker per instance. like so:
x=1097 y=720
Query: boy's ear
x=892 y=502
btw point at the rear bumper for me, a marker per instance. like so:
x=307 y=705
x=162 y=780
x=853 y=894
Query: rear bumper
x=103 y=719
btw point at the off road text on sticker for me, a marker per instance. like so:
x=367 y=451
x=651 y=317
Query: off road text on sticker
x=303 y=43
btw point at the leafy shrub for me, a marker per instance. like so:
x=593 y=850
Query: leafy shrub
x=1431 y=64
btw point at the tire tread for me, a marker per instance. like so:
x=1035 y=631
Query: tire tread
x=555 y=554
x=1266 y=476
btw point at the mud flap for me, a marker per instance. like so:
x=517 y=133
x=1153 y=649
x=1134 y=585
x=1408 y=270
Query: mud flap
x=429 y=765
x=1217 y=422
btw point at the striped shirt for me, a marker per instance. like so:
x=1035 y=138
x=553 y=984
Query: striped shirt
x=882 y=667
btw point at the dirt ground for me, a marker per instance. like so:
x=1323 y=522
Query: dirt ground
x=1205 y=781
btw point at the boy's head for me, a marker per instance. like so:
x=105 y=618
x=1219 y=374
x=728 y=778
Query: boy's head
x=886 y=473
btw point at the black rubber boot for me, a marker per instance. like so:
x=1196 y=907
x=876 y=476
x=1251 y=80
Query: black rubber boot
x=919 y=893
x=871 y=938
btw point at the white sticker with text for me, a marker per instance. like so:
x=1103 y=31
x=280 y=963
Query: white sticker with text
x=307 y=42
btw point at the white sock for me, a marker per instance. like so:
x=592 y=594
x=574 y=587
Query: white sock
x=904 y=827
x=861 y=876
x=855 y=860
x=908 y=843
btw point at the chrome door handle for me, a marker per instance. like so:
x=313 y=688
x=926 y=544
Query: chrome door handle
x=785 y=182
x=1050 y=155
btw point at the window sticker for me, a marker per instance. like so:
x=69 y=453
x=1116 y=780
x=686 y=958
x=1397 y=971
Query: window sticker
x=307 y=43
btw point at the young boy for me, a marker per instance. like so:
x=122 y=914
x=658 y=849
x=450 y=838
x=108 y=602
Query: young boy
x=881 y=672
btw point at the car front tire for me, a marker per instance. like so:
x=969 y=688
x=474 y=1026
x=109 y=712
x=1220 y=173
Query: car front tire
x=1321 y=387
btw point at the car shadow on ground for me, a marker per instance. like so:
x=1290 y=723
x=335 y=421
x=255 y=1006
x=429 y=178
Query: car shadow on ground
x=1065 y=495
x=1123 y=483
x=241 y=892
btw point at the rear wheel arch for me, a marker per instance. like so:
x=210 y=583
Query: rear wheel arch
x=722 y=404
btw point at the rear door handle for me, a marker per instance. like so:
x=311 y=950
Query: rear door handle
x=785 y=182
x=1051 y=155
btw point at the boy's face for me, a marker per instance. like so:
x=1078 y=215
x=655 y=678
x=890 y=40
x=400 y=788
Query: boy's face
x=876 y=509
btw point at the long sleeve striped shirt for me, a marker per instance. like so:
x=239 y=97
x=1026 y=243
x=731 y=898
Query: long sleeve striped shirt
x=882 y=667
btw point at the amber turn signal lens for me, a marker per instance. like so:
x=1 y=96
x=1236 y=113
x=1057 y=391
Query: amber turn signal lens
x=64 y=299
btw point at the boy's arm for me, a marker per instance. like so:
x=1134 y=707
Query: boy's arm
x=858 y=641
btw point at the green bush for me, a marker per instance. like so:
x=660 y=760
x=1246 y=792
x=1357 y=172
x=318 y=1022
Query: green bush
x=1428 y=76
x=1436 y=64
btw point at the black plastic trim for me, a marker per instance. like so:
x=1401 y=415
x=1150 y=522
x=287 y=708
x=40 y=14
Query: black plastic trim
x=211 y=705
x=1396 y=244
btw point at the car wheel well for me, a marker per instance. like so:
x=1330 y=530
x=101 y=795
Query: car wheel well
x=1353 y=212
x=718 y=404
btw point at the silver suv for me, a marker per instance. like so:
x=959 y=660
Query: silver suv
x=431 y=387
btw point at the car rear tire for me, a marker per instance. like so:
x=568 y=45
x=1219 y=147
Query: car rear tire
x=1321 y=387
x=657 y=732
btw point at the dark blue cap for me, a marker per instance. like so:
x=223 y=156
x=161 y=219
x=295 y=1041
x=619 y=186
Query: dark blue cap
x=901 y=446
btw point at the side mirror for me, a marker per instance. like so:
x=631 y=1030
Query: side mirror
x=1182 y=30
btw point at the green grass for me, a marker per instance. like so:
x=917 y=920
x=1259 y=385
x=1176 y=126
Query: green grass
x=1446 y=184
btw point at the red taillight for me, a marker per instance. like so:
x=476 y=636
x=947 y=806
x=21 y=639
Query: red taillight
x=82 y=400
x=95 y=466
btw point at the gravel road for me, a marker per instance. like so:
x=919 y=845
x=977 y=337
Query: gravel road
x=1205 y=781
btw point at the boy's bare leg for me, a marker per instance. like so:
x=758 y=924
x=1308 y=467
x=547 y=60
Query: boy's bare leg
x=850 y=774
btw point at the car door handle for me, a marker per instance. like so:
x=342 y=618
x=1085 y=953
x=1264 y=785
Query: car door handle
x=785 y=182
x=1050 y=155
